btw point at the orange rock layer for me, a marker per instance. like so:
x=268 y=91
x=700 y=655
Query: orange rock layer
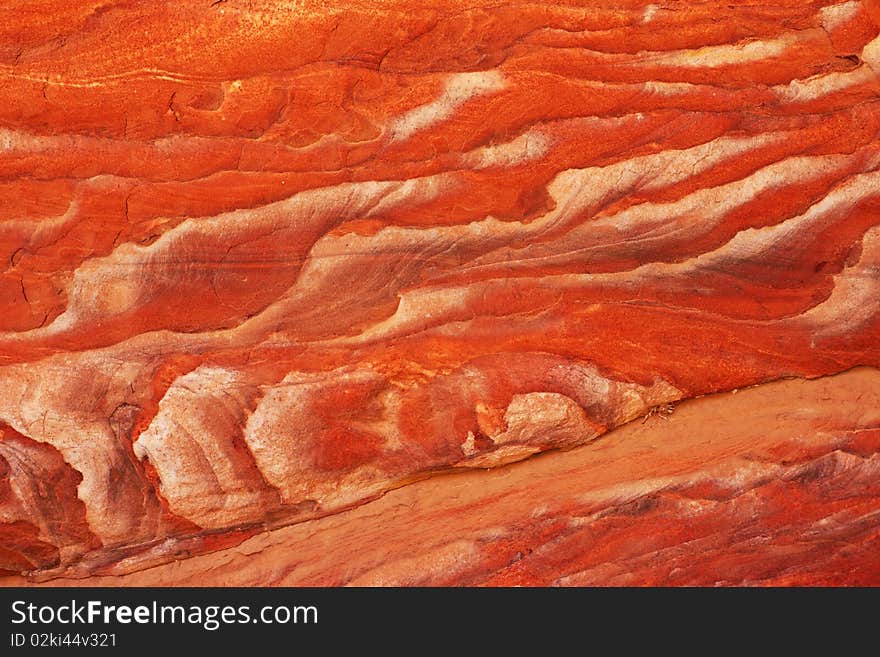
x=266 y=261
x=774 y=485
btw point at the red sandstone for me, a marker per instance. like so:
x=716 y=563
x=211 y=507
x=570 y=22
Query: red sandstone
x=265 y=262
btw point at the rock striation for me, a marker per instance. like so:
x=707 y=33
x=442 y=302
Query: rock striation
x=263 y=262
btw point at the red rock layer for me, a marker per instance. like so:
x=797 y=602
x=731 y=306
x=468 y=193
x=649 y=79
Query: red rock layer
x=265 y=261
x=774 y=485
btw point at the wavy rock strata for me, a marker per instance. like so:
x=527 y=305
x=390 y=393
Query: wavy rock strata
x=265 y=261
x=776 y=484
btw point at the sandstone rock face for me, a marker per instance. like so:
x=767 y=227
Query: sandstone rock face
x=265 y=262
x=772 y=485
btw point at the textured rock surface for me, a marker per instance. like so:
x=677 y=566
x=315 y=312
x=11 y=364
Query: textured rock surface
x=775 y=484
x=265 y=261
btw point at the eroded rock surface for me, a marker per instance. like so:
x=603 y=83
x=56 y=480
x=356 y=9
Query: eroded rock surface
x=265 y=261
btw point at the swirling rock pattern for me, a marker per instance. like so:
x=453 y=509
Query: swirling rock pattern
x=773 y=485
x=266 y=261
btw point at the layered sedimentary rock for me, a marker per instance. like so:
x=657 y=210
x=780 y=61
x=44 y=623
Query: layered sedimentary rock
x=266 y=261
x=772 y=485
